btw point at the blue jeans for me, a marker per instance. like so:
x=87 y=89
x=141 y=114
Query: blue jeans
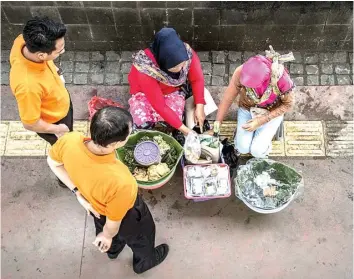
x=259 y=142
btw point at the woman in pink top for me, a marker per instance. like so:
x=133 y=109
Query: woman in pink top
x=265 y=89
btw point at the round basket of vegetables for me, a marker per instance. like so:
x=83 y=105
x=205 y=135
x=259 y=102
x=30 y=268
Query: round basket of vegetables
x=158 y=174
x=267 y=186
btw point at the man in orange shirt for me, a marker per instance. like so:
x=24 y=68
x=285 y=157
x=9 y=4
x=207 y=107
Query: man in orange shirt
x=90 y=169
x=43 y=102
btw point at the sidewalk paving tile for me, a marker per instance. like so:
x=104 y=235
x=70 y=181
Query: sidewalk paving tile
x=339 y=138
x=42 y=224
x=304 y=138
x=97 y=265
x=278 y=148
x=112 y=66
x=227 y=130
x=4 y=128
x=20 y=142
x=81 y=126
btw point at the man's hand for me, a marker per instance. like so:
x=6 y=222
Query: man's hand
x=102 y=242
x=199 y=116
x=61 y=130
x=85 y=204
x=252 y=125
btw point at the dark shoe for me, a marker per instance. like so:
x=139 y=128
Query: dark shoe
x=61 y=184
x=113 y=256
x=161 y=253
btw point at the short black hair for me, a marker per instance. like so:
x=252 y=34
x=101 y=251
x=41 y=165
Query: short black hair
x=40 y=34
x=110 y=124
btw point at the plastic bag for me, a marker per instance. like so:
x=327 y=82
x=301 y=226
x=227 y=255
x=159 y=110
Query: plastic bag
x=210 y=148
x=229 y=154
x=97 y=103
x=192 y=148
x=206 y=127
x=267 y=186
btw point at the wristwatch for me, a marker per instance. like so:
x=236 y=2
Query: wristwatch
x=74 y=190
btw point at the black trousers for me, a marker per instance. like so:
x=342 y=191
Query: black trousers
x=68 y=120
x=137 y=230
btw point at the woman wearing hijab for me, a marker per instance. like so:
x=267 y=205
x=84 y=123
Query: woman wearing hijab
x=156 y=77
x=265 y=94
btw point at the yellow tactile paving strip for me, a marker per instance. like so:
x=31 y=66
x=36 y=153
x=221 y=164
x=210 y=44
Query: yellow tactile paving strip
x=20 y=142
x=339 y=138
x=304 y=138
x=301 y=138
x=278 y=148
x=17 y=141
x=4 y=128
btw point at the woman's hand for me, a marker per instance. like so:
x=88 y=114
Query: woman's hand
x=199 y=116
x=85 y=204
x=209 y=132
x=216 y=129
x=185 y=130
x=252 y=125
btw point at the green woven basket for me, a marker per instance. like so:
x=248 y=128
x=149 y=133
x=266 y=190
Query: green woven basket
x=133 y=139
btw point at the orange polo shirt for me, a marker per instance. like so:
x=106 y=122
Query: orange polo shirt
x=39 y=91
x=105 y=182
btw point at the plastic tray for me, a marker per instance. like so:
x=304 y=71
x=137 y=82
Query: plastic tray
x=204 y=198
x=183 y=164
x=133 y=139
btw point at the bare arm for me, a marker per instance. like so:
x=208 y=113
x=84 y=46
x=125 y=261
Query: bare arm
x=111 y=228
x=287 y=102
x=184 y=130
x=230 y=95
x=62 y=174
x=41 y=126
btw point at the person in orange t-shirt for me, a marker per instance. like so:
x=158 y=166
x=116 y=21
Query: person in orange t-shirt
x=43 y=102
x=105 y=187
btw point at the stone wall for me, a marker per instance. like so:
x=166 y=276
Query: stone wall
x=219 y=25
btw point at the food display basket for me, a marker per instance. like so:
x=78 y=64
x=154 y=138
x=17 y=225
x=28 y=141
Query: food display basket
x=133 y=140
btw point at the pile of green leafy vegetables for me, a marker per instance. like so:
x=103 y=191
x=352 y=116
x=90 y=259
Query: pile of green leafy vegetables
x=258 y=174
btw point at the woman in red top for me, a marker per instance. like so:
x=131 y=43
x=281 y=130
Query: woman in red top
x=156 y=78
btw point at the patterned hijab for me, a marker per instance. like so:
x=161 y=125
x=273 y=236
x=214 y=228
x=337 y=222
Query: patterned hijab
x=266 y=78
x=169 y=51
